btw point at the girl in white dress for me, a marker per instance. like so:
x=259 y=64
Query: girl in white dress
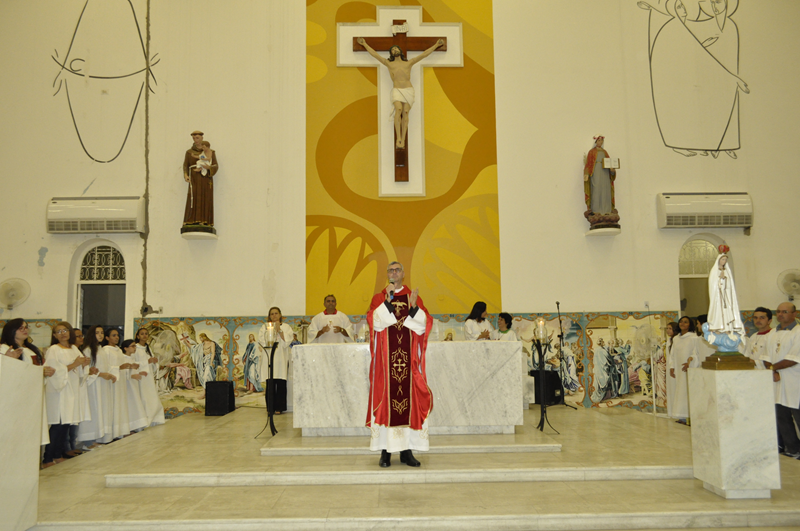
x=100 y=387
x=148 y=366
x=121 y=424
x=685 y=354
x=136 y=410
x=16 y=344
x=67 y=400
x=477 y=327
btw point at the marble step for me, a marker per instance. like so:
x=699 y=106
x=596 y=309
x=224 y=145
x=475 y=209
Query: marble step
x=398 y=474
x=709 y=520
x=361 y=449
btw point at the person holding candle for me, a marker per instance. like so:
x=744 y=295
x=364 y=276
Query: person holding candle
x=276 y=331
x=477 y=327
x=330 y=325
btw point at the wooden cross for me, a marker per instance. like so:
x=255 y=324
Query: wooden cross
x=407 y=44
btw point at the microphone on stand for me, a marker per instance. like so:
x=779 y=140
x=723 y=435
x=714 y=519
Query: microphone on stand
x=391 y=292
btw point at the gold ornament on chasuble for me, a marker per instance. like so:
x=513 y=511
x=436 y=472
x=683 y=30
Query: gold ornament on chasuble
x=399 y=366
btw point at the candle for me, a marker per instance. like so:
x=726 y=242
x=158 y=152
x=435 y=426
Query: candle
x=541 y=332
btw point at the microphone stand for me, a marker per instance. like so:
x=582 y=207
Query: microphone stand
x=562 y=361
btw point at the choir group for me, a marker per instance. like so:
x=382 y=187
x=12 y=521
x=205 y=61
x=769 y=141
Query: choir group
x=96 y=389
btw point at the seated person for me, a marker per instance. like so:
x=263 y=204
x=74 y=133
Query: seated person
x=477 y=327
x=330 y=325
x=504 y=331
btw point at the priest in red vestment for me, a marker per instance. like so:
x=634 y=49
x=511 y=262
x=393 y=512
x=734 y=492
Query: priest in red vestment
x=399 y=398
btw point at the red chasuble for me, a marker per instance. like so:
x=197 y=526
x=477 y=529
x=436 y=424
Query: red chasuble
x=398 y=395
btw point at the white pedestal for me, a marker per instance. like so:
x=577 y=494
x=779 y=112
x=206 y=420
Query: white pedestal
x=20 y=440
x=734 y=436
x=476 y=385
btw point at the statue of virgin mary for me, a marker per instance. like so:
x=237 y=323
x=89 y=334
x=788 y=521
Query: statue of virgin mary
x=724 y=318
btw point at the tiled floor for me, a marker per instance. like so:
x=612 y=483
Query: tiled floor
x=75 y=490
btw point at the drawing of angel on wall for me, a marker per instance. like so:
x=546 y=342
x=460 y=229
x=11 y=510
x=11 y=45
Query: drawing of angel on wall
x=694 y=74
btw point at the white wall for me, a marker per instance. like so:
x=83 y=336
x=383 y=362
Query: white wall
x=566 y=72
x=233 y=69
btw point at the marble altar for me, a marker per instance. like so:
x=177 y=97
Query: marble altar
x=477 y=387
x=20 y=440
x=734 y=435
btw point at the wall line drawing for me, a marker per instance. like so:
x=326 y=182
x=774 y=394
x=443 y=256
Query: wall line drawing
x=694 y=75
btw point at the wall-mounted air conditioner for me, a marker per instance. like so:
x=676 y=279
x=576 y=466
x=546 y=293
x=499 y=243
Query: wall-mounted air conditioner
x=690 y=210
x=72 y=215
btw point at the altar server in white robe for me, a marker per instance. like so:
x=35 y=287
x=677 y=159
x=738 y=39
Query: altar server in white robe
x=148 y=365
x=121 y=425
x=275 y=330
x=15 y=343
x=477 y=327
x=67 y=400
x=136 y=409
x=331 y=325
x=100 y=390
x=755 y=346
x=783 y=359
x=685 y=355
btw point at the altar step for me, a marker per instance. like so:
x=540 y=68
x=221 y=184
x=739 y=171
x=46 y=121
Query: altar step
x=398 y=474
x=362 y=449
x=651 y=520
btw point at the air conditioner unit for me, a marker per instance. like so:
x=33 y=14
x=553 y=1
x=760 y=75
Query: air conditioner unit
x=691 y=210
x=73 y=215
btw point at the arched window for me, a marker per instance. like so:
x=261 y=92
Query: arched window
x=696 y=259
x=103 y=264
x=101 y=287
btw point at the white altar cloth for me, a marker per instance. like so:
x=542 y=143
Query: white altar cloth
x=476 y=386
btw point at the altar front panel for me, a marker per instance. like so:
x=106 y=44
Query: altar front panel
x=20 y=439
x=476 y=386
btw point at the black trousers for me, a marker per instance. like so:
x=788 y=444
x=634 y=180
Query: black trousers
x=280 y=394
x=786 y=418
x=58 y=441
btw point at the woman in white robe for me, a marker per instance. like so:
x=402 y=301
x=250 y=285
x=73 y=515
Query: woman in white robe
x=15 y=343
x=148 y=365
x=136 y=411
x=100 y=387
x=685 y=355
x=67 y=400
x=121 y=424
x=280 y=372
x=665 y=384
x=477 y=327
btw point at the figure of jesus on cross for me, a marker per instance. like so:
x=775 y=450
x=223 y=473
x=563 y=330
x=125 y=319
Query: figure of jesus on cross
x=402 y=92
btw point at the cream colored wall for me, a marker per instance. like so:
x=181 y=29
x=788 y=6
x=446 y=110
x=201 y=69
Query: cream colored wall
x=566 y=72
x=233 y=69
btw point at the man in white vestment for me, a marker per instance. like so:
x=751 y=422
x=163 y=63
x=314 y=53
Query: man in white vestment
x=755 y=346
x=330 y=325
x=782 y=357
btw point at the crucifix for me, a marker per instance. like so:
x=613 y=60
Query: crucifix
x=401 y=168
x=399 y=67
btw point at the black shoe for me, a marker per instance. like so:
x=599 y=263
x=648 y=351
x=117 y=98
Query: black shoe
x=408 y=458
x=386 y=459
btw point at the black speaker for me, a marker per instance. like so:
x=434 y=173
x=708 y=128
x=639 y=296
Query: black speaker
x=554 y=390
x=219 y=399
